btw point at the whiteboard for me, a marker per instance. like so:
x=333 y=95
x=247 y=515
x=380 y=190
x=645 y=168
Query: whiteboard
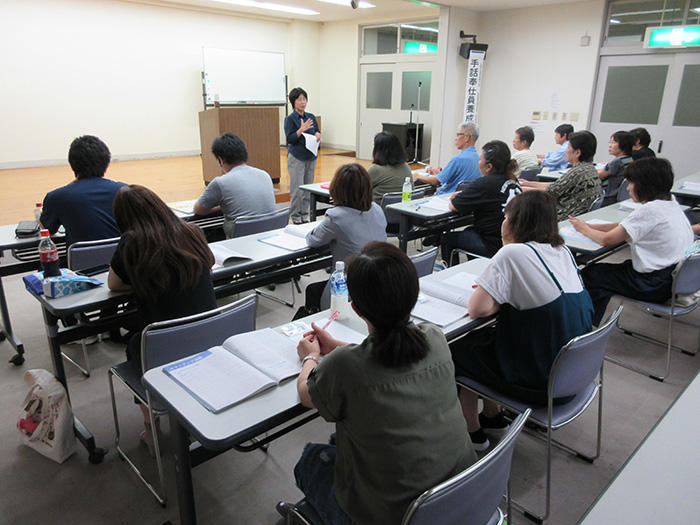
x=243 y=77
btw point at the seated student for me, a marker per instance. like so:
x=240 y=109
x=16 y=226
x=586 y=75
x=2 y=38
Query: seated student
x=485 y=198
x=523 y=156
x=464 y=166
x=399 y=429
x=166 y=262
x=579 y=187
x=353 y=222
x=389 y=169
x=84 y=207
x=241 y=190
x=641 y=148
x=533 y=284
x=620 y=146
x=556 y=160
x=658 y=233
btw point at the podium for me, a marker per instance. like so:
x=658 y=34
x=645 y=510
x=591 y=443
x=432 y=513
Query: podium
x=258 y=127
x=406 y=132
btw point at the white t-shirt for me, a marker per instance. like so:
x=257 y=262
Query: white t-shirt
x=526 y=159
x=660 y=234
x=516 y=276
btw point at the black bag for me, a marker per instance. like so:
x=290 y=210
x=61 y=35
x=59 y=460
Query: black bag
x=27 y=229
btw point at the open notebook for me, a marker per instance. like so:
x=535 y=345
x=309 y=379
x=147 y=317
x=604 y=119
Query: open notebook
x=224 y=256
x=444 y=301
x=242 y=366
x=292 y=238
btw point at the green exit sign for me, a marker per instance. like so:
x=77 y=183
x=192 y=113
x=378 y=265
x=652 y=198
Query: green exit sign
x=673 y=36
x=411 y=47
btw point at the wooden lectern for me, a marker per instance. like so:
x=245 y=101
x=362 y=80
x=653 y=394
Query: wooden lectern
x=257 y=126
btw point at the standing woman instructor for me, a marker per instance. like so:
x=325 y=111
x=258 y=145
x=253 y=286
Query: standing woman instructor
x=300 y=161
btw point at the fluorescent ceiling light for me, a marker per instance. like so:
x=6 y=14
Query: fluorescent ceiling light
x=407 y=26
x=649 y=12
x=696 y=9
x=615 y=21
x=271 y=7
x=362 y=4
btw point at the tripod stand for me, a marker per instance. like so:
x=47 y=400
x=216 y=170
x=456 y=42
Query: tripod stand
x=415 y=159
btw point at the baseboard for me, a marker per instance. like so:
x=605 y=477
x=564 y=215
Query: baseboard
x=116 y=158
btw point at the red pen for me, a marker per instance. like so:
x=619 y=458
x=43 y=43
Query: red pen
x=475 y=285
x=330 y=320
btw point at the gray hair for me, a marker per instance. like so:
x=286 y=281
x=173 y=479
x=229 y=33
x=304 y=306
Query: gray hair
x=471 y=128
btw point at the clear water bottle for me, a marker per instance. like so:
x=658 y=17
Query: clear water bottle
x=339 y=291
x=406 y=190
x=48 y=255
x=38 y=208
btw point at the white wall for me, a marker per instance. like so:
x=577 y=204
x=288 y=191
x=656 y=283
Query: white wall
x=535 y=63
x=129 y=73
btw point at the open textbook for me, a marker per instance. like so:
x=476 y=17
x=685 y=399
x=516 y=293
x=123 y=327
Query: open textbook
x=444 y=301
x=242 y=366
x=224 y=256
x=292 y=238
x=569 y=233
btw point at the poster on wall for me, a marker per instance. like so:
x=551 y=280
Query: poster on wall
x=471 y=94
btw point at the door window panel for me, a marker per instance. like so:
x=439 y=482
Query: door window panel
x=688 y=105
x=409 y=90
x=380 y=40
x=628 y=20
x=633 y=94
x=379 y=90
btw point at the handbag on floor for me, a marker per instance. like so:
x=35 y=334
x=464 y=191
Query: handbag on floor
x=46 y=420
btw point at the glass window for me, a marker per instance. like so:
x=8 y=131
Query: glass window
x=693 y=13
x=380 y=40
x=379 y=90
x=688 y=105
x=419 y=37
x=633 y=94
x=409 y=90
x=628 y=20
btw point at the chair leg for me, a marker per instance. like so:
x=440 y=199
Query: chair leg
x=84 y=370
x=277 y=299
x=161 y=497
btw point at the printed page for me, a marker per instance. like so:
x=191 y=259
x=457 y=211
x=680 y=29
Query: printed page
x=441 y=203
x=690 y=185
x=186 y=207
x=311 y=143
x=343 y=333
x=437 y=311
x=224 y=255
x=569 y=233
x=273 y=354
x=456 y=289
x=285 y=240
x=300 y=230
x=217 y=378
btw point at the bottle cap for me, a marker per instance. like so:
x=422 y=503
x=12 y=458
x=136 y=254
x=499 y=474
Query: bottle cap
x=39 y=205
x=44 y=233
x=340 y=265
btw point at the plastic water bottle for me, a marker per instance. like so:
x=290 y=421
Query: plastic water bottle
x=339 y=291
x=406 y=190
x=38 y=208
x=48 y=255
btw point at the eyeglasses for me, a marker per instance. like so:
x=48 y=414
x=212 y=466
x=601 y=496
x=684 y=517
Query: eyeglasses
x=465 y=134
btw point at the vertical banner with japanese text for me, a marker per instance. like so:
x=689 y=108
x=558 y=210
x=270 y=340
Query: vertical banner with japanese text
x=471 y=95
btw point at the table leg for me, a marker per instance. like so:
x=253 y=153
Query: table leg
x=6 y=330
x=183 y=471
x=312 y=207
x=404 y=226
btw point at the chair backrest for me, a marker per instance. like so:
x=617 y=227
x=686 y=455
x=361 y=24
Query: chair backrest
x=530 y=174
x=393 y=197
x=473 y=495
x=167 y=341
x=250 y=224
x=623 y=192
x=596 y=204
x=424 y=262
x=579 y=361
x=91 y=254
x=686 y=276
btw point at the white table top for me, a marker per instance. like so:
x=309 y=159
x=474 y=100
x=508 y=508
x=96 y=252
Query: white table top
x=213 y=428
x=680 y=190
x=552 y=175
x=316 y=188
x=613 y=213
x=659 y=482
x=422 y=207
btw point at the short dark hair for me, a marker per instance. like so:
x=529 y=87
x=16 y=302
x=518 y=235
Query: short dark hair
x=652 y=178
x=564 y=130
x=88 y=157
x=532 y=217
x=383 y=287
x=641 y=135
x=230 y=148
x=586 y=142
x=527 y=134
x=352 y=187
x=497 y=153
x=388 y=150
x=295 y=94
x=625 y=141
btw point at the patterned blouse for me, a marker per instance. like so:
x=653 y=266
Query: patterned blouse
x=576 y=190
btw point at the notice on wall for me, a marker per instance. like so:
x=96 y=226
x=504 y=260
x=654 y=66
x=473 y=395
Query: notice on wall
x=475 y=66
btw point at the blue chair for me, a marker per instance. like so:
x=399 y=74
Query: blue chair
x=392 y=217
x=573 y=373
x=530 y=175
x=94 y=256
x=596 y=204
x=425 y=261
x=167 y=341
x=473 y=495
x=686 y=282
x=623 y=192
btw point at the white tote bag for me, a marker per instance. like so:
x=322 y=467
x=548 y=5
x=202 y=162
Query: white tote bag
x=46 y=420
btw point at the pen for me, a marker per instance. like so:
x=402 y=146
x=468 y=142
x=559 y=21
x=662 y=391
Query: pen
x=475 y=285
x=330 y=320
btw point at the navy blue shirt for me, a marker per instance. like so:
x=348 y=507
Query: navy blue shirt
x=84 y=208
x=296 y=143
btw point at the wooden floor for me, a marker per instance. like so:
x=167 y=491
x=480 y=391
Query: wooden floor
x=174 y=179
